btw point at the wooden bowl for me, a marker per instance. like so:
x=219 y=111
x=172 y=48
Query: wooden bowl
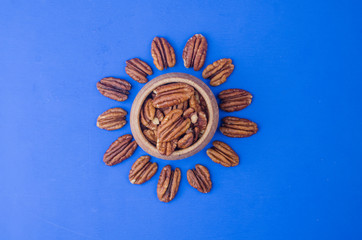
x=206 y=93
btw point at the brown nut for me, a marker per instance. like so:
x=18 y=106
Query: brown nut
x=149 y=110
x=112 y=119
x=150 y=135
x=194 y=118
x=145 y=122
x=199 y=178
x=120 y=150
x=218 y=71
x=174 y=131
x=194 y=53
x=166 y=110
x=203 y=104
x=187 y=113
x=196 y=134
x=223 y=154
x=168 y=121
x=234 y=99
x=183 y=106
x=114 y=88
x=166 y=148
x=194 y=102
x=159 y=115
x=138 y=70
x=172 y=94
x=168 y=183
x=142 y=170
x=201 y=121
x=238 y=127
x=162 y=53
x=186 y=140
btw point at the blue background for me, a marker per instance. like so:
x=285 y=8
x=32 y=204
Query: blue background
x=299 y=177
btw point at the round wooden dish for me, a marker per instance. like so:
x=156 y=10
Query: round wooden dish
x=212 y=107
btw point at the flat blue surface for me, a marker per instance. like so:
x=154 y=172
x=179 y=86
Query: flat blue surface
x=299 y=177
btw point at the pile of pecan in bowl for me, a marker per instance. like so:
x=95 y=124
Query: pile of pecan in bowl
x=187 y=112
x=174 y=116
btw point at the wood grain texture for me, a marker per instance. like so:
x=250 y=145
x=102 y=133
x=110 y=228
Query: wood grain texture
x=202 y=88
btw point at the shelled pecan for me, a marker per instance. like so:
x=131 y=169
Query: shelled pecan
x=162 y=53
x=199 y=178
x=201 y=121
x=186 y=141
x=150 y=135
x=187 y=113
x=168 y=184
x=203 y=104
x=183 y=106
x=194 y=53
x=166 y=148
x=172 y=94
x=166 y=110
x=223 y=154
x=142 y=170
x=175 y=131
x=138 y=70
x=112 y=119
x=196 y=133
x=218 y=71
x=238 y=127
x=145 y=122
x=234 y=99
x=114 y=88
x=172 y=126
x=120 y=150
x=194 y=102
x=149 y=110
x=168 y=121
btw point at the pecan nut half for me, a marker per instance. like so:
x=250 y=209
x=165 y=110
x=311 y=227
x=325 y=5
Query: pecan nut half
x=218 y=71
x=172 y=126
x=138 y=70
x=162 y=53
x=175 y=131
x=172 y=94
x=168 y=121
x=159 y=115
x=196 y=134
x=112 y=119
x=150 y=135
x=203 y=103
x=234 y=99
x=114 y=88
x=194 y=53
x=201 y=121
x=149 y=110
x=186 y=140
x=194 y=102
x=166 y=148
x=168 y=183
x=166 y=110
x=238 y=127
x=199 y=178
x=182 y=106
x=145 y=122
x=120 y=150
x=223 y=154
x=142 y=170
x=188 y=112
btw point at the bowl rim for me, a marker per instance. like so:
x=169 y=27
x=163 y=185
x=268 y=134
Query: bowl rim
x=202 y=88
